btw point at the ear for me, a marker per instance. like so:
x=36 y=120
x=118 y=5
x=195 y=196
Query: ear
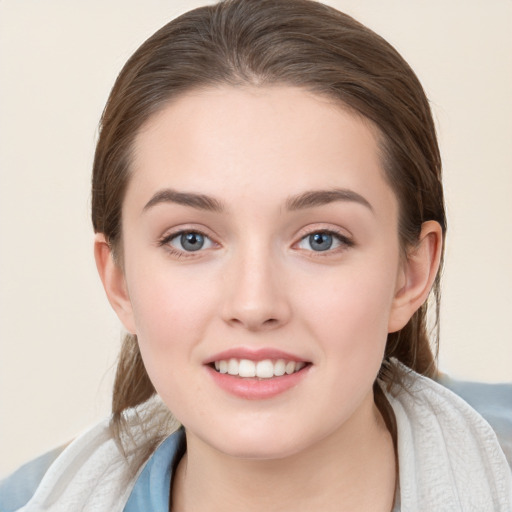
x=416 y=275
x=114 y=282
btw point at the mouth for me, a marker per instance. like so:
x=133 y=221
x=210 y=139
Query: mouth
x=257 y=373
x=260 y=370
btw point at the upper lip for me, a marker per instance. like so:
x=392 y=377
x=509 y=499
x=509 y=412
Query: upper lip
x=254 y=354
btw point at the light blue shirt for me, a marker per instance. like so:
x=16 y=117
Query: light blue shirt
x=152 y=489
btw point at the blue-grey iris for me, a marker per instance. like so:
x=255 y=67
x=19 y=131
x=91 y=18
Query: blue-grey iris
x=320 y=241
x=192 y=241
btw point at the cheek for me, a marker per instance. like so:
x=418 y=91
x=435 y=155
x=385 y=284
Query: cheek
x=349 y=323
x=350 y=312
x=172 y=313
x=172 y=309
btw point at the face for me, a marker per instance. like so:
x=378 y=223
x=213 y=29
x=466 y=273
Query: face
x=261 y=265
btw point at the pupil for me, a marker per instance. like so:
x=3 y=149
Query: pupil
x=192 y=241
x=320 y=241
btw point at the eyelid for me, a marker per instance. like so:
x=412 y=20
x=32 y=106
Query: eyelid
x=345 y=240
x=164 y=241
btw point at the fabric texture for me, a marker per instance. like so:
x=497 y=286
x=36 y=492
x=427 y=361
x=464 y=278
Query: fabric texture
x=449 y=457
x=93 y=474
x=17 y=490
x=449 y=460
x=492 y=401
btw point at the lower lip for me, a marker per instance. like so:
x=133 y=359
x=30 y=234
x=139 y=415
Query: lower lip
x=257 y=389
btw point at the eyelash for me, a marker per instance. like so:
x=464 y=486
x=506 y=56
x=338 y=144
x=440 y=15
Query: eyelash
x=343 y=240
x=166 y=239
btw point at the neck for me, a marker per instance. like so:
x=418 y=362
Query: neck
x=352 y=469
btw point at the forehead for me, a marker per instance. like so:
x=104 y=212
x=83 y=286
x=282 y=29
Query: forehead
x=257 y=142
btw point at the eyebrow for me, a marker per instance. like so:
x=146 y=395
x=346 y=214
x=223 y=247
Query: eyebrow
x=314 y=198
x=308 y=199
x=198 y=201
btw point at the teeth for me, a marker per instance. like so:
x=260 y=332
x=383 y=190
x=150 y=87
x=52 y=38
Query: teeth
x=247 y=368
x=265 y=369
x=290 y=367
x=279 y=367
x=233 y=367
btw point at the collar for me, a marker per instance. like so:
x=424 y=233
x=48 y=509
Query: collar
x=151 y=490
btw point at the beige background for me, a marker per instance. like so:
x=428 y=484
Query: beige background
x=58 y=60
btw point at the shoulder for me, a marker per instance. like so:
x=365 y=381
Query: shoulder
x=449 y=455
x=64 y=477
x=17 y=489
x=94 y=473
x=492 y=401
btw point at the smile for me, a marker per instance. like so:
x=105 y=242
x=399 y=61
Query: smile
x=264 y=369
x=257 y=373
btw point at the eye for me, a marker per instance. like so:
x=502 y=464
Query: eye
x=321 y=241
x=188 y=241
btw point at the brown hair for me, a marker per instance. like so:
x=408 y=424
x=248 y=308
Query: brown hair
x=267 y=42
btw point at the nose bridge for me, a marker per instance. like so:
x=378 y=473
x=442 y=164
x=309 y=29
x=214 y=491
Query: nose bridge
x=256 y=298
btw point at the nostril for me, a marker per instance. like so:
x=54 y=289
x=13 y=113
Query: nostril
x=255 y=324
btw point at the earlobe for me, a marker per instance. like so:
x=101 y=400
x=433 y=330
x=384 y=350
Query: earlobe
x=114 y=283
x=417 y=275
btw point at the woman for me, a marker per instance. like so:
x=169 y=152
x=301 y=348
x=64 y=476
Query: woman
x=269 y=213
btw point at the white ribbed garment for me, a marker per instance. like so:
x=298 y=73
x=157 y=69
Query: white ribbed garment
x=449 y=459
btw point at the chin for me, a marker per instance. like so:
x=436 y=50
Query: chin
x=263 y=450
x=258 y=443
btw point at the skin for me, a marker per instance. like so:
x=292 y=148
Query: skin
x=258 y=283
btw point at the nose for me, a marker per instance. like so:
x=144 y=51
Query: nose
x=256 y=295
